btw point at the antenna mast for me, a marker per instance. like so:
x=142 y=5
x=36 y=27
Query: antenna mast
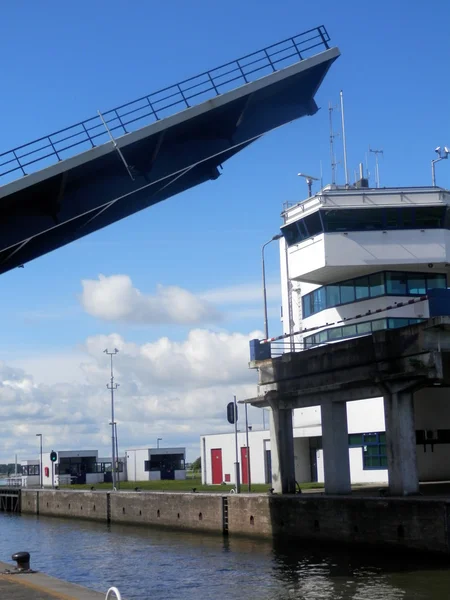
x=332 y=154
x=344 y=143
x=377 y=170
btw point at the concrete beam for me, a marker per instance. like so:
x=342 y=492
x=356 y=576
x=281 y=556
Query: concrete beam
x=412 y=357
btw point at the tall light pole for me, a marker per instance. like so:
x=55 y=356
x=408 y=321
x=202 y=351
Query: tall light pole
x=266 y=324
x=112 y=386
x=39 y=435
x=157 y=442
x=443 y=155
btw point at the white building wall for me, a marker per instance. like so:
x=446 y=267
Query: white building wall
x=307 y=417
x=357 y=472
x=226 y=442
x=366 y=416
x=136 y=464
x=332 y=257
x=363 y=416
x=302 y=460
x=284 y=290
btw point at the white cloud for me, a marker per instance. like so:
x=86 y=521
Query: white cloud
x=168 y=389
x=115 y=299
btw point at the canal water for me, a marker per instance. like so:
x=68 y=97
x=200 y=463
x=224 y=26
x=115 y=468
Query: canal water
x=164 y=565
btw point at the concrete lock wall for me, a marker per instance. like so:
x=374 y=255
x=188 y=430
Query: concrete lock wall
x=182 y=511
x=410 y=523
x=62 y=503
x=407 y=523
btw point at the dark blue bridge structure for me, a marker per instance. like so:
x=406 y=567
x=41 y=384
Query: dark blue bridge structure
x=75 y=181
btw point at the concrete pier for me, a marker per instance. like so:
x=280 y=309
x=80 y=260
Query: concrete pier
x=38 y=586
x=335 y=448
x=282 y=454
x=401 y=443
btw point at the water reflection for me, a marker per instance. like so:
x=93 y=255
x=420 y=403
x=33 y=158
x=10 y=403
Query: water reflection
x=165 y=565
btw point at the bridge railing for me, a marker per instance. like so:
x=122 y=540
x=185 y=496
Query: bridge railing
x=128 y=117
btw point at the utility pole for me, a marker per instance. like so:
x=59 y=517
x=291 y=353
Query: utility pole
x=112 y=386
x=236 y=464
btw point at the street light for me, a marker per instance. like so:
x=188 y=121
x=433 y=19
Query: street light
x=39 y=435
x=157 y=442
x=112 y=386
x=266 y=324
x=443 y=155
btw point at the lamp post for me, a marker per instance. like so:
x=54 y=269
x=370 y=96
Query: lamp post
x=442 y=155
x=157 y=442
x=39 y=435
x=112 y=386
x=266 y=324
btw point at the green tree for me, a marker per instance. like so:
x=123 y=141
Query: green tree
x=197 y=464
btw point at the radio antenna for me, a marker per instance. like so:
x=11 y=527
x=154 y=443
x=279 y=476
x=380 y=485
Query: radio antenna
x=377 y=170
x=344 y=143
x=332 y=136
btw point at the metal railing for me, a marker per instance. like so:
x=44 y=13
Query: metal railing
x=111 y=591
x=136 y=114
x=282 y=344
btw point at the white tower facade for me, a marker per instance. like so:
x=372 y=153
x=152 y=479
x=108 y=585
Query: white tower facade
x=349 y=252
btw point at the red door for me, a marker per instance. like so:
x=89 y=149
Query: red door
x=244 y=464
x=216 y=462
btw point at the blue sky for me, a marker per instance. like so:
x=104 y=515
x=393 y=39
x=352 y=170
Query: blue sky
x=63 y=61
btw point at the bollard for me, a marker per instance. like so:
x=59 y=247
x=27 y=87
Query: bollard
x=23 y=560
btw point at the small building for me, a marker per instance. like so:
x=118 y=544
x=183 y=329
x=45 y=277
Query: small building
x=31 y=473
x=153 y=464
x=79 y=467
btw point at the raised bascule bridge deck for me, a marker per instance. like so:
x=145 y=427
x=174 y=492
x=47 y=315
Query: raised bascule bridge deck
x=75 y=181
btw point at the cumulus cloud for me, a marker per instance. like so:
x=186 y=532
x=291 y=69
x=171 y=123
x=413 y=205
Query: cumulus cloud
x=176 y=390
x=115 y=298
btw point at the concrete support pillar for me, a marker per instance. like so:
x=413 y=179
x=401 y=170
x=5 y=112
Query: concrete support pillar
x=336 y=461
x=282 y=451
x=401 y=444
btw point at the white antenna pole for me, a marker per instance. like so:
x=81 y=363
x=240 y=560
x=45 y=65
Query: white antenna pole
x=332 y=159
x=344 y=143
x=377 y=169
